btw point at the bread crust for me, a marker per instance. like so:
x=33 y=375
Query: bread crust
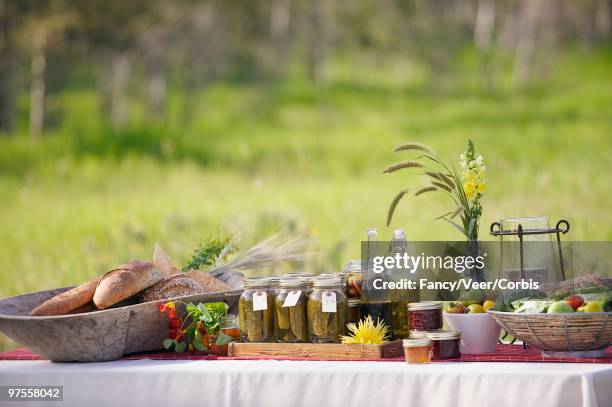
x=68 y=301
x=124 y=282
x=210 y=283
x=172 y=287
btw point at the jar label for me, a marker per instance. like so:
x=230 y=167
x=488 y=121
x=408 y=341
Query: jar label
x=329 y=301
x=260 y=301
x=292 y=298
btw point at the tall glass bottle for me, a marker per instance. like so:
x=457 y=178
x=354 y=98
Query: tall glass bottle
x=401 y=297
x=375 y=298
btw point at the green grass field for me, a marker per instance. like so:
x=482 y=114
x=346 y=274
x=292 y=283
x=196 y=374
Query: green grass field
x=289 y=156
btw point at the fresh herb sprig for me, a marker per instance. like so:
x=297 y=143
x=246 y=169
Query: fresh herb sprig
x=208 y=253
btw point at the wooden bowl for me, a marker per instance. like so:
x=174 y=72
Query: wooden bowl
x=92 y=336
x=578 y=334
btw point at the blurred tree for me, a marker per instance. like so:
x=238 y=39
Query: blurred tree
x=317 y=25
x=603 y=18
x=111 y=29
x=280 y=23
x=485 y=22
x=531 y=14
x=7 y=66
x=42 y=28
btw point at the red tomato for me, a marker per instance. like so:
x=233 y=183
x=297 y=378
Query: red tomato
x=574 y=301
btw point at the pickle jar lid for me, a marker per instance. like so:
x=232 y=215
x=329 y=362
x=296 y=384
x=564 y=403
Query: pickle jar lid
x=442 y=335
x=288 y=282
x=342 y=276
x=416 y=342
x=296 y=274
x=424 y=305
x=327 y=282
x=251 y=282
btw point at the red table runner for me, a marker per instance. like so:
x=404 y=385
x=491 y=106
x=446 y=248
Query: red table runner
x=503 y=353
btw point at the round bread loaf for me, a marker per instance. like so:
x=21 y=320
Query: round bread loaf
x=172 y=287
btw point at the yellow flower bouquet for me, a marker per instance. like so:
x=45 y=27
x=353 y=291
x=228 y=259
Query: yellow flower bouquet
x=465 y=187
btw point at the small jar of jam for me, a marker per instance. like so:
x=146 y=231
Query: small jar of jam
x=445 y=344
x=425 y=316
x=417 y=350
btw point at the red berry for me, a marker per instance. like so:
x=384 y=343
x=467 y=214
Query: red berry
x=174 y=323
x=172 y=314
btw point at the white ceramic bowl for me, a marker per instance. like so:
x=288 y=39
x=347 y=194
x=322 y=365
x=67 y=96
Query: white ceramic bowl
x=479 y=332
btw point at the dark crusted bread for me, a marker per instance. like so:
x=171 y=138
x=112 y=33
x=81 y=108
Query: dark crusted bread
x=172 y=287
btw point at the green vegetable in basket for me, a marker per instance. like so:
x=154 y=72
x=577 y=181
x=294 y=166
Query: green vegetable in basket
x=526 y=306
x=560 y=307
x=505 y=300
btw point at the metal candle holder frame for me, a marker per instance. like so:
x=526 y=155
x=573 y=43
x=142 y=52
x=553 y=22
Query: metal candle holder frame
x=496 y=230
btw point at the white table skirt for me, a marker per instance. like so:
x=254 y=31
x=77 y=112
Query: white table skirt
x=316 y=384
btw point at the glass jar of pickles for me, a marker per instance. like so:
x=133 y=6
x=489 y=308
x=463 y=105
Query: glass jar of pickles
x=256 y=310
x=290 y=323
x=425 y=316
x=327 y=311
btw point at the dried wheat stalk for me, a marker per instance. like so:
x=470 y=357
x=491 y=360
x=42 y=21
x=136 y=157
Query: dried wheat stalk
x=424 y=190
x=265 y=254
x=411 y=146
x=394 y=203
x=399 y=166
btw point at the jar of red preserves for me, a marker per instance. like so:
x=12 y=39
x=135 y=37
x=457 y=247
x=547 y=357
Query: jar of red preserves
x=425 y=316
x=445 y=344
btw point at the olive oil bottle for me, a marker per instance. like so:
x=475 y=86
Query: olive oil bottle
x=375 y=300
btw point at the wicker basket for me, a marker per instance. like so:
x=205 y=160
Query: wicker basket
x=586 y=334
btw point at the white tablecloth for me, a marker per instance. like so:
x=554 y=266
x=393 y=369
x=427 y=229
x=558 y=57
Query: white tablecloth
x=316 y=384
